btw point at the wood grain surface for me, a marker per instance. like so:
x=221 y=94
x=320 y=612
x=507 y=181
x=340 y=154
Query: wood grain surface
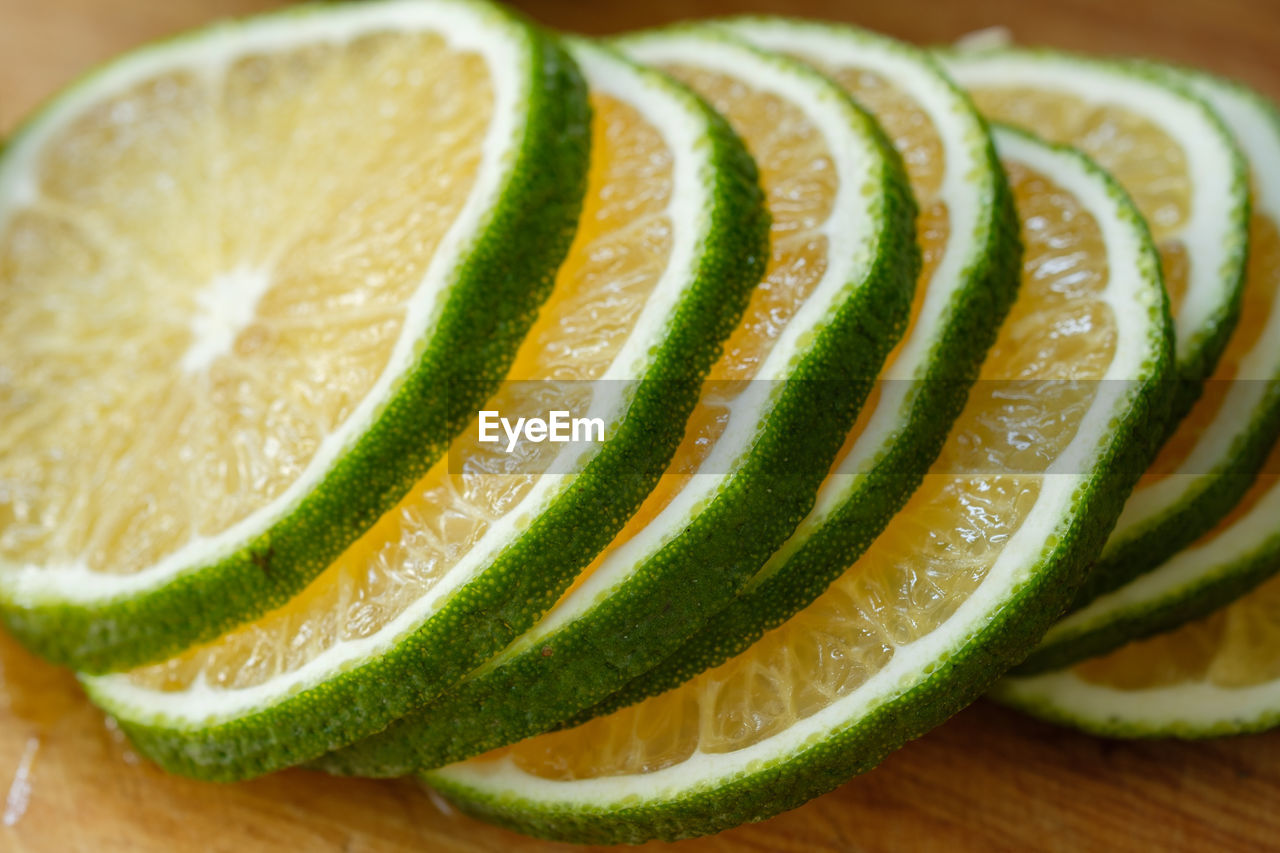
x=988 y=780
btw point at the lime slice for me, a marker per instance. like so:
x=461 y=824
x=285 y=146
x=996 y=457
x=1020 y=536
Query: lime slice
x=1180 y=165
x=834 y=298
x=1216 y=675
x=1227 y=434
x=241 y=275
x=956 y=588
x=671 y=242
x=968 y=233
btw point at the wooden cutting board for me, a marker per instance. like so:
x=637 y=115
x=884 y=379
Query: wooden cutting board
x=988 y=780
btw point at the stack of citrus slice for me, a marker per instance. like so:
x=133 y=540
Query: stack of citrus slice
x=667 y=250
x=973 y=566
x=260 y=288
x=607 y=631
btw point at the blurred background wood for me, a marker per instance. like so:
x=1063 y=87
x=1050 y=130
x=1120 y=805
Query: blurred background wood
x=44 y=44
x=989 y=780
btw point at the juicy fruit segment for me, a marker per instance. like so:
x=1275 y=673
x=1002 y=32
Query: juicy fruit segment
x=1232 y=647
x=1060 y=337
x=618 y=255
x=238 y=290
x=1149 y=163
x=621 y=248
x=904 y=121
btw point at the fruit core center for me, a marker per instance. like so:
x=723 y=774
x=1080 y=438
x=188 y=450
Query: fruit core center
x=224 y=308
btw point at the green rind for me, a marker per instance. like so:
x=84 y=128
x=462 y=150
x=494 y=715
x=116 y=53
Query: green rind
x=999 y=643
x=1193 y=516
x=499 y=286
x=1144 y=547
x=530 y=574
x=1229 y=581
x=1216 y=588
x=698 y=571
x=975 y=313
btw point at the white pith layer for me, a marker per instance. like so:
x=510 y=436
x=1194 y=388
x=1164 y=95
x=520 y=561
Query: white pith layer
x=1188 y=708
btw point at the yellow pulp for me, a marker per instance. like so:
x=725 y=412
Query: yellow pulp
x=800 y=185
x=1146 y=161
x=618 y=255
x=210 y=276
x=1235 y=646
x=1262 y=285
x=932 y=555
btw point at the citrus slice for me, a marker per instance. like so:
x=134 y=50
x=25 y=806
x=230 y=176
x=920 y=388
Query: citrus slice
x=1216 y=675
x=240 y=272
x=834 y=298
x=671 y=242
x=956 y=588
x=1184 y=172
x=968 y=234
x=1218 y=448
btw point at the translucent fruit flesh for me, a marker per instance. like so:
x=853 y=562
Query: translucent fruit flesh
x=932 y=555
x=917 y=141
x=181 y=293
x=800 y=185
